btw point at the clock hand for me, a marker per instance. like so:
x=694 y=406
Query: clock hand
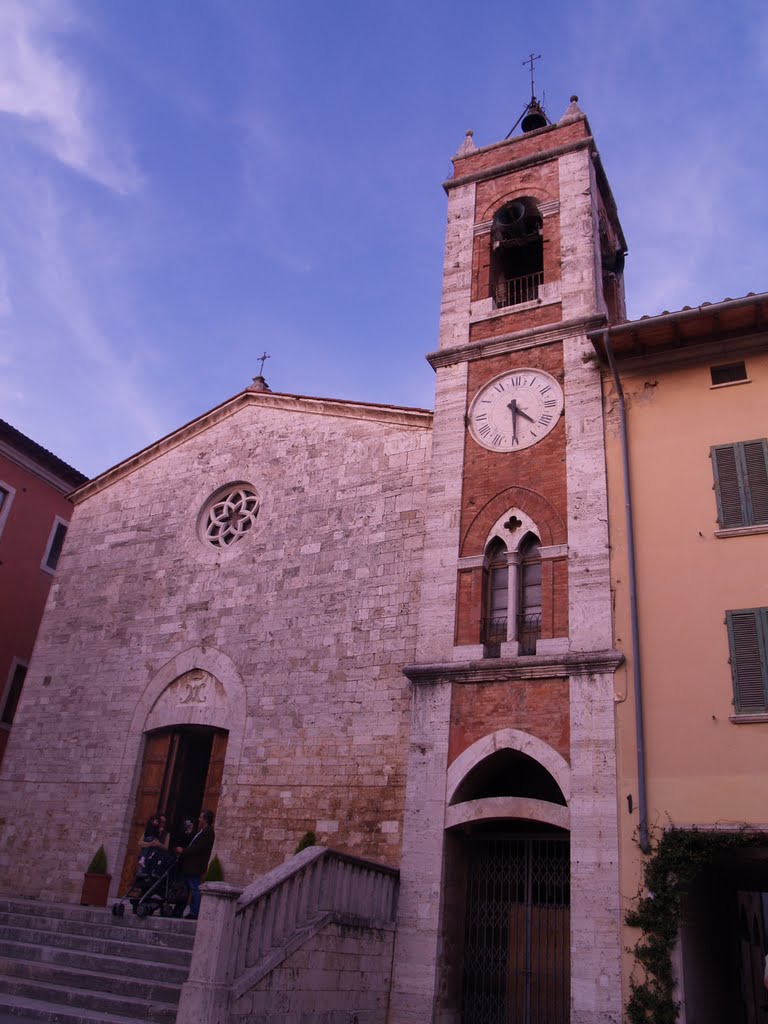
x=513 y=406
x=526 y=416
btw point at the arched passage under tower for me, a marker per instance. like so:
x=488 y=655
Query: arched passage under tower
x=506 y=905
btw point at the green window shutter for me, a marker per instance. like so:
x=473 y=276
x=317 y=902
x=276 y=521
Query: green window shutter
x=747 y=632
x=755 y=464
x=729 y=486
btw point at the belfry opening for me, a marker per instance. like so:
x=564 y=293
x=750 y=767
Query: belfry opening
x=517 y=253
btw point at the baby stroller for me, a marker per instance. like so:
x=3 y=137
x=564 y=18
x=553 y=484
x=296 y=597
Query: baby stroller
x=158 y=886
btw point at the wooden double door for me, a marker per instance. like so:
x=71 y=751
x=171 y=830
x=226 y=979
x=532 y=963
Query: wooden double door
x=180 y=776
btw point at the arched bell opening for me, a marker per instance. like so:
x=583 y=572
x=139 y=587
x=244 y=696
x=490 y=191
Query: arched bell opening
x=517 y=253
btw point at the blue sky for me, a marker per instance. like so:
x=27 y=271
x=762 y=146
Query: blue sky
x=187 y=183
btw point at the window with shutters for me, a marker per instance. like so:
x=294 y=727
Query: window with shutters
x=748 y=641
x=741 y=483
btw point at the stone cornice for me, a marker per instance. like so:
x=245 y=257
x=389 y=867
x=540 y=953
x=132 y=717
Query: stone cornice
x=526 y=161
x=403 y=417
x=509 y=670
x=514 y=340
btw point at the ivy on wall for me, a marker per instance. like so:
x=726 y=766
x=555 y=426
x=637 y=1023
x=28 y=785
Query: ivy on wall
x=675 y=859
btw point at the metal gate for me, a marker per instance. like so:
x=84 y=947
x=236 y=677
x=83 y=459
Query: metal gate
x=517 y=941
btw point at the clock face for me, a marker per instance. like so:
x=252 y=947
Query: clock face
x=515 y=410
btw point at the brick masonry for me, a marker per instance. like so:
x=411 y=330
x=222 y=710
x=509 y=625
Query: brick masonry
x=539 y=707
x=559 y=485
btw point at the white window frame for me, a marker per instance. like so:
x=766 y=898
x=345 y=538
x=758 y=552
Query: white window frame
x=57 y=521
x=512 y=543
x=15 y=662
x=11 y=492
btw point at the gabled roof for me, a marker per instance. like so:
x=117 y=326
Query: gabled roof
x=400 y=415
x=14 y=439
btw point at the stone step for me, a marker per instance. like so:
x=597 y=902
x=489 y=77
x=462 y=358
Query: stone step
x=173 y=974
x=115 y=947
x=125 y=929
x=89 y=1001
x=179 y=930
x=20 y=1010
x=82 y=965
x=98 y=981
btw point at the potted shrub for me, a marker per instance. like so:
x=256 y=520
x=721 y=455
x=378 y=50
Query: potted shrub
x=215 y=872
x=96 y=881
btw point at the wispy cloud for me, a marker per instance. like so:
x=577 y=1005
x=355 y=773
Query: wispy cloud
x=6 y=308
x=79 y=296
x=49 y=95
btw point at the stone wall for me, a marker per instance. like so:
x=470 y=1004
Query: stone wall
x=339 y=976
x=304 y=625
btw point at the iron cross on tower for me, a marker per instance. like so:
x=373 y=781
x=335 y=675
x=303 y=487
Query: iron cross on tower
x=263 y=358
x=531 y=59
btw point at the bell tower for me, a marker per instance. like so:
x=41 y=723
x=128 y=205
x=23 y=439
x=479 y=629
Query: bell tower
x=512 y=756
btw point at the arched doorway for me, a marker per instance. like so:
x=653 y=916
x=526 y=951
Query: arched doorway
x=507 y=884
x=516 y=961
x=180 y=775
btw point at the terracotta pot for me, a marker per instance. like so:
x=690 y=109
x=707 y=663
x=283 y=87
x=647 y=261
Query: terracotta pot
x=95 y=890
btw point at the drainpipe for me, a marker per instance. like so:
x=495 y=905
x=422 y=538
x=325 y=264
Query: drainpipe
x=642 y=799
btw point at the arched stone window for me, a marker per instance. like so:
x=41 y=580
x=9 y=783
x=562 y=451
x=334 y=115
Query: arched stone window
x=529 y=602
x=497 y=593
x=517 y=253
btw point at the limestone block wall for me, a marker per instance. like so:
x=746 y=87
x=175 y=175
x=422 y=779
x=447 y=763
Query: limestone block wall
x=306 y=623
x=342 y=974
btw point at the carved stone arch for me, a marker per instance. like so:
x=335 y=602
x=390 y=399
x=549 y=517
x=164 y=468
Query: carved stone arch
x=551 y=528
x=200 y=686
x=507 y=807
x=537 y=194
x=510 y=739
x=513 y=537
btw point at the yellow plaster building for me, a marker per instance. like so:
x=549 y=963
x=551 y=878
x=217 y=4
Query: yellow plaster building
x=687 y=465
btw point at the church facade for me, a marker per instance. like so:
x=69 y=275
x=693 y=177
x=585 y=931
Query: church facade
x=389 y=627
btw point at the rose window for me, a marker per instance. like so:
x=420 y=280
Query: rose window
x=231 y=517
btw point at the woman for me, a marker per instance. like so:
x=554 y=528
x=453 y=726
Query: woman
x=156 y=837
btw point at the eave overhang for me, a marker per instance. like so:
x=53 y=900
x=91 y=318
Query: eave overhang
x=731 y=320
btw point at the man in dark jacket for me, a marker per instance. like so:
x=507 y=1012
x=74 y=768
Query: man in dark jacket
x=193 y=861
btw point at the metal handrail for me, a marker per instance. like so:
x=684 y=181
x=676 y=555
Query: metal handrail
x=517 y=290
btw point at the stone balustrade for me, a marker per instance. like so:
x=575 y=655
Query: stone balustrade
x=243 y=934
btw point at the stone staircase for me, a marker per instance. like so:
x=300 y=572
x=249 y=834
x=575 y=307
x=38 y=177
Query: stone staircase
x=80 y=965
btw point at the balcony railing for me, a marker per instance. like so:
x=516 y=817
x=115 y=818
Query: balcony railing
x=528 y=632
x=519 y=289
x=493 y=633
